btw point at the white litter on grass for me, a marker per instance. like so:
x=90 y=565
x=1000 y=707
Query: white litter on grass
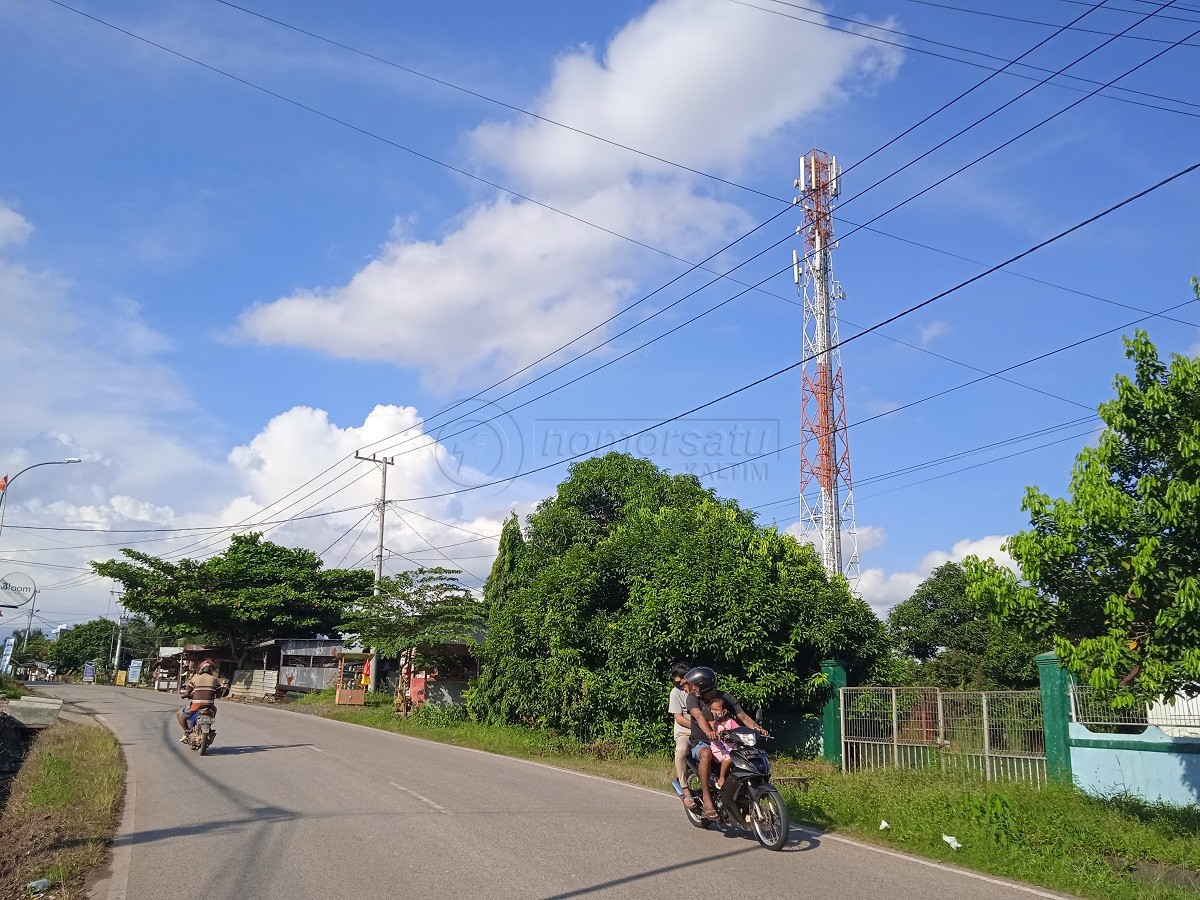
x=952 y=841
x=883 y=825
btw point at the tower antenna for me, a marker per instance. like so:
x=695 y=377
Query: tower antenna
x=827 y=520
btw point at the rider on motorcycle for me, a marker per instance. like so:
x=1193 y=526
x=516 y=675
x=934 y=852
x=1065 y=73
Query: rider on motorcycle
x=202 y=689
x=701 y=686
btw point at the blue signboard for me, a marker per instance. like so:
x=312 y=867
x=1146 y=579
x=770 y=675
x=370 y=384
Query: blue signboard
x=89 y=672
x=135 y=671
x=6 y=656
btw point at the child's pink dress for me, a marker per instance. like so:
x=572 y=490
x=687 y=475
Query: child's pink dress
x=722 y=749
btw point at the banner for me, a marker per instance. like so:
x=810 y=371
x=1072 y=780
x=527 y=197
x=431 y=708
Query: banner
x=6 y=657
x=89 y=672
x=135 y=672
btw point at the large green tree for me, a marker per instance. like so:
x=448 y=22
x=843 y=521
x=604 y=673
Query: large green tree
x=1112 y=574
x=87 y=642
x=420 y=612
x=955 y=642
x=627 y=569
x=253 y=591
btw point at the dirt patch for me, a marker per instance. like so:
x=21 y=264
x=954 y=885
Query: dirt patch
x=62 y=812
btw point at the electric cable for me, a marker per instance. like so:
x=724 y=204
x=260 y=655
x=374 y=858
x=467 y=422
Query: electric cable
x=881 y=324
x=1018 y=97
x=1001 y=59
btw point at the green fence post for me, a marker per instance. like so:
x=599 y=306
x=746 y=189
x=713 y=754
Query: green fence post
x=1056 y=713
x=834 y=671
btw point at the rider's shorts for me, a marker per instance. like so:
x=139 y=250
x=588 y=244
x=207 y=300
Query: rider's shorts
x=697 y=747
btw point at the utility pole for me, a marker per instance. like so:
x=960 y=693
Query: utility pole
x=124 y=621
x=824 y=448
x=383 y=462
x=29 y=623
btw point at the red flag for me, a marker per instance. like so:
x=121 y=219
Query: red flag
x=3 y=484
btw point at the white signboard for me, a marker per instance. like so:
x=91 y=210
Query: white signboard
x=6 y=656
x=16 y=589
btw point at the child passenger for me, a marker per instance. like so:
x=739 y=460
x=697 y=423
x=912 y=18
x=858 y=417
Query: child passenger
x=722 y=720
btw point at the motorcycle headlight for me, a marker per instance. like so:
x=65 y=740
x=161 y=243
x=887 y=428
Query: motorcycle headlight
x=750 y=738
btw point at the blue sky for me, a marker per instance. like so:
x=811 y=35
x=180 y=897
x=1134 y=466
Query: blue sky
x=215 y=290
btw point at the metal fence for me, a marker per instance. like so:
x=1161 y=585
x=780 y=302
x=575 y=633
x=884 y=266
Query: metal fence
x=996 y=735
x=1093 y=709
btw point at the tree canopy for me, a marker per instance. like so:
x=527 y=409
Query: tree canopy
x=253 y=591
x=954 y=641
x=1112 y=574
x=627 y=569
x=418 y=612
x=87 y=642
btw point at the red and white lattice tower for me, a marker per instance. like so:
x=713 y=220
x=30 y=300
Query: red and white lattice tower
x=826 y=488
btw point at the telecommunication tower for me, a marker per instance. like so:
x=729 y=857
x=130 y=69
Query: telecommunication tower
x=828 y=519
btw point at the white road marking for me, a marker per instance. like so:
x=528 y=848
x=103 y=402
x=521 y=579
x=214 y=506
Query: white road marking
x=932 y=864
x=425 y=800
x=318 y=749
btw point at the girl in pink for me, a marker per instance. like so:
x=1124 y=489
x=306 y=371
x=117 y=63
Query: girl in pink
x=722 y=720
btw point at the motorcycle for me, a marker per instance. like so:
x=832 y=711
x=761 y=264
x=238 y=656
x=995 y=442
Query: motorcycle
x=747 y=801
x=203 y=733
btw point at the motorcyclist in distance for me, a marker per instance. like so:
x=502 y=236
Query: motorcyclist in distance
x=202 y=689
x=701 y=686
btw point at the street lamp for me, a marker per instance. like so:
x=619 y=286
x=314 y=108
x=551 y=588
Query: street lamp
x=6 y=482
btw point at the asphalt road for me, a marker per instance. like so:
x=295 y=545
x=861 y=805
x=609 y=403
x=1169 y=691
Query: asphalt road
x=292 y=806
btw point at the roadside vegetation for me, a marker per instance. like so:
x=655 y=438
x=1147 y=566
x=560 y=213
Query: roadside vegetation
x=11 y=689
x=62 y=812
x=1057 y=838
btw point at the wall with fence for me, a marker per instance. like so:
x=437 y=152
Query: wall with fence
x=1131 y=751
x=1061 y=732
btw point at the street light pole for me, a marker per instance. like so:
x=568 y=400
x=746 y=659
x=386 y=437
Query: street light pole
x=8 y=481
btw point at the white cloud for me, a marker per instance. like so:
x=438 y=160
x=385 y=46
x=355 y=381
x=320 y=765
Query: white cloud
x=93 y=385
x=14 y=228
x=883 y=590
x=933 y=331
x=512 y=280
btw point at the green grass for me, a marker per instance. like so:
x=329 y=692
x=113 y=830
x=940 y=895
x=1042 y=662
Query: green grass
x=63 y=809
x=11 y=689
x=1054 y=837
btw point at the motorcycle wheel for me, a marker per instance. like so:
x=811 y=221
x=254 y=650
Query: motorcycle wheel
x=769 y=818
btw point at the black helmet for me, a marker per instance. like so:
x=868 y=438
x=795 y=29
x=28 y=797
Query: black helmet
x=704 y=678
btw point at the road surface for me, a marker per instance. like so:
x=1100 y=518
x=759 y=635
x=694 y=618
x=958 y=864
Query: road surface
x=292 y=806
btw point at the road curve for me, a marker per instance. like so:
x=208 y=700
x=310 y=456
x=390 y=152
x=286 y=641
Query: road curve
x=292 y=806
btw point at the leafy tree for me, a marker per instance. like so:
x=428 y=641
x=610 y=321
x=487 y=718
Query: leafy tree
x=955 y=642
x=253 y=591
x=502 y=580
x=421 y=613
x=625 y=570
x=1113 y=573
x=87 y=642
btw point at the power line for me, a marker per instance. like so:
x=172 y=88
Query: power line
x=889 y=320
x=926 y=52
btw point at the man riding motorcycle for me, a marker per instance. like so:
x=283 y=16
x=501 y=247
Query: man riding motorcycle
x=701 y=686
x=202 y=689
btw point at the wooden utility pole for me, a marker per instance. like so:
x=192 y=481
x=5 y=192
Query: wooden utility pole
x=383 y=462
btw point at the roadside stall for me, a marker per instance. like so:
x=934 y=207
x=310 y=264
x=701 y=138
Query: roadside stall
x=166 y=669
x=352 y=678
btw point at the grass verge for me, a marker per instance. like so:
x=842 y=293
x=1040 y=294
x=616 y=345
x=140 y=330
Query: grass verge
x=11 y=688
x=1053 y=837
x=62 y=811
